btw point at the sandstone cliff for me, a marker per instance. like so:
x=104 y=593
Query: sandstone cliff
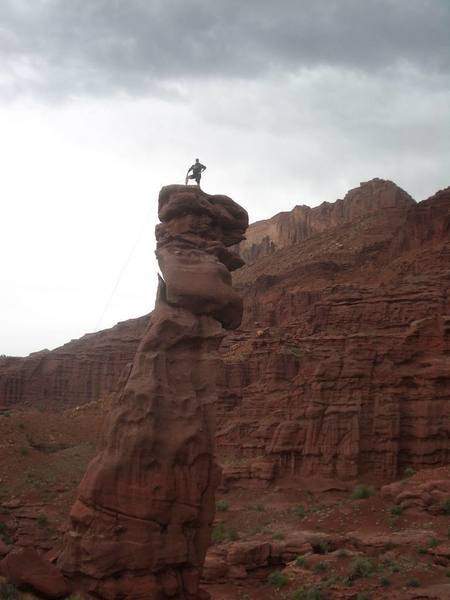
x=287 y=228
x=341 y=364
x=79 y=372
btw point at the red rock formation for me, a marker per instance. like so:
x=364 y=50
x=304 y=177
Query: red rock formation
x=26 y=568
x=341 y=366
x=81 y=371
x=141 y=524
x=288 y=228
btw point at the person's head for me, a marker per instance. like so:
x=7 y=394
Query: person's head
x=197 y=160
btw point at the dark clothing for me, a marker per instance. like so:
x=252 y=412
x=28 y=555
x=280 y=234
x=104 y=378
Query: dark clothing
x=197 y=170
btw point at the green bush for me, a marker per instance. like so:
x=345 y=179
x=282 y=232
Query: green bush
x=301 y=561
x=413 y=582
x=409 y=472
x=421 y=550
x=362 y=596
x=233 y=535
x=8 y=592
x=385 y=582
x=259 y=507
x=391 y=565
x=361 y=492
x=396 y=510
x=299 y=511
x=221 y=534
x=446 y=506
x=321 y=567
x=277 y=579
x=433 y=542
x=361 y=567
x=4 y=533
x=42 y=520
x=278 y=536
x=313 y=592
x=222 y=505
x=389 y=546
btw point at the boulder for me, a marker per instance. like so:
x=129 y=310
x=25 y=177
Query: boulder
x=26 y=568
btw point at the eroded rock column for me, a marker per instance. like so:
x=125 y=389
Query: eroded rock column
x=141 y=524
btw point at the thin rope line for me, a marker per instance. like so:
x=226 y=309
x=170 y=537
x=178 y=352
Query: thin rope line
x=121 y=274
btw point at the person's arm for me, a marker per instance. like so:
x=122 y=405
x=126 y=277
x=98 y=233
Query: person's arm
x=203 y=168
x=190 y=169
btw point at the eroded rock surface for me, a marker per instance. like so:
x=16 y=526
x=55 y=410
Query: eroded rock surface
x=341 y=365
x=141 y=524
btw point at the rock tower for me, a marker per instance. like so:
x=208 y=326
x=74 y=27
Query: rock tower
x=141 y=524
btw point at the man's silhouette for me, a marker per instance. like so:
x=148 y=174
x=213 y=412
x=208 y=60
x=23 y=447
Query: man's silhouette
x=197 y=170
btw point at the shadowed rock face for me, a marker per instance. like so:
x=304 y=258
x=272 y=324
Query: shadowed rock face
x=141 y=524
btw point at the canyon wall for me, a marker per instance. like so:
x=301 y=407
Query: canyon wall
x=341 y=364
x=302 y=222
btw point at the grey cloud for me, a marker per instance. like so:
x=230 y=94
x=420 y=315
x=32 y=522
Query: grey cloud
x=100 y=46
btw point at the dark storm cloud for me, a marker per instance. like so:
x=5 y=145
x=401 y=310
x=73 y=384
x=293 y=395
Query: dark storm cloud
x=94 y=46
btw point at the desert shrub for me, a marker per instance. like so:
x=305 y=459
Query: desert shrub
x=278 y=536
x=299 y=511
x=409 y=472
x=384 y=581
x=233 y=535
x=321 y=567
x=301 y=561
x=396 y=510
x=222 y=505
x=221 y=534
x=389 y=546
x=413 y=582
x=259 y=507
x=421 y=550
x=433 y=542
x=391 y=565
x=8 y=591
x=446 y=506
x=392 y=521
x=362 y=596
x=313 y=592
x=322 y=547
x=24 y=451
x=361 y=567
x=42 y=520
x=361 y=492
x=4 y=533
x=341 y=553
x=277 y=579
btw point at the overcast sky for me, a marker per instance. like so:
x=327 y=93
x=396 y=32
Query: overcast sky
x=104 y=101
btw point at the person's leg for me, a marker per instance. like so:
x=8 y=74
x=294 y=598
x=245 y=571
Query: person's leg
x=197 y=179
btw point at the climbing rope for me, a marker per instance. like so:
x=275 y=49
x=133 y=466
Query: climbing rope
x=122 y=272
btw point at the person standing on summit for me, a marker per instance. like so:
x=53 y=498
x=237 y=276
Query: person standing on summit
x=197 y=170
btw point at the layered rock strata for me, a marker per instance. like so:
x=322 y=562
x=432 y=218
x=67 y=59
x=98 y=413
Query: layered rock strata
x=302 y=222
x=342 y=365
x=141 y=524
